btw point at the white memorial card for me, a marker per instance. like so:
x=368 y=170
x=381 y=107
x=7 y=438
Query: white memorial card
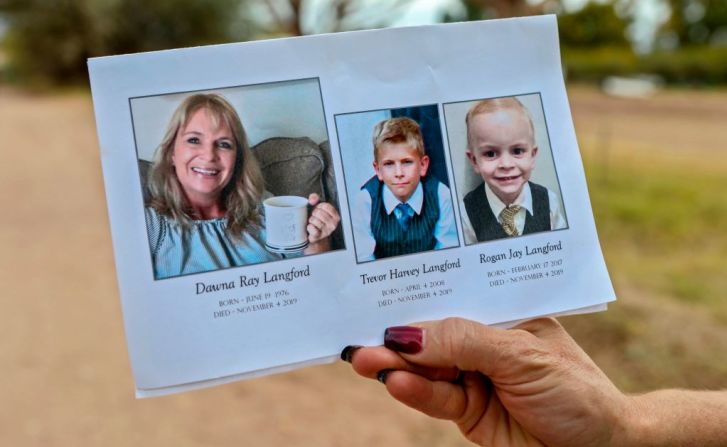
x=272 y=202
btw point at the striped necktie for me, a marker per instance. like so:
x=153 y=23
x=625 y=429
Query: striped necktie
x=508 y=219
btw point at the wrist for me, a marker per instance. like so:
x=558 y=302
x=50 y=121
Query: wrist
x=674 y=418
x=647 y=421
x=632 y=423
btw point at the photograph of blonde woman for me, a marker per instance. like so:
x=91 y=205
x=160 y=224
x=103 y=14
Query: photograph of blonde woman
x=204 y=209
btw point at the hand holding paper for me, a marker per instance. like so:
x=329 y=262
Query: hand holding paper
x=530 y=385
x=188 y=156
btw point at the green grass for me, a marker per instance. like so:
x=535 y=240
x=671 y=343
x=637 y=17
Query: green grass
x=661 y=212
x=664 y=228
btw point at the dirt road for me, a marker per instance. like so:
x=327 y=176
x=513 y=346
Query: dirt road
x=66 y=379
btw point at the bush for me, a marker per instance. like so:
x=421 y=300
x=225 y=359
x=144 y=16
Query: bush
x=691 y=65
x=701 y=65
x=594 y=64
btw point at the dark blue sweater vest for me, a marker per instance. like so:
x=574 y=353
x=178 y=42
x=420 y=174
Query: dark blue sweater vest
x=391 y=239
x=485 y=223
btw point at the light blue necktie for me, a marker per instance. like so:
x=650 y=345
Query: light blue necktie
x=403 y=213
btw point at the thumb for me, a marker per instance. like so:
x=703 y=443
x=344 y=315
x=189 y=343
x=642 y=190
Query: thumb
x=313 y=199
x=460 y=343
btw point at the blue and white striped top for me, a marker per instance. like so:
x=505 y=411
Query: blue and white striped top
x=203 y=247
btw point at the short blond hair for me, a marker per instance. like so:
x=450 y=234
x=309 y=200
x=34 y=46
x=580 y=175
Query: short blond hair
x=398 y=130
x=493 y=105
x=241 y=197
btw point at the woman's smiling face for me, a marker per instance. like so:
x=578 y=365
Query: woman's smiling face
x=204 y=157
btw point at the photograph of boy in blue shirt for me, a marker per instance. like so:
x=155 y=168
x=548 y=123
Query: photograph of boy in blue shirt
x=401 y=210
x=501 y=149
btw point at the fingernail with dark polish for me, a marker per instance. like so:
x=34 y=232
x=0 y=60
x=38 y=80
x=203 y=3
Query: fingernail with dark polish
x=381 y=376
x=347 y=353
x=404 y=339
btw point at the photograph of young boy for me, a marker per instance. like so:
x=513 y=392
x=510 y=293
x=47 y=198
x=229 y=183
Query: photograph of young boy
x=502 y=151
x=402 y=208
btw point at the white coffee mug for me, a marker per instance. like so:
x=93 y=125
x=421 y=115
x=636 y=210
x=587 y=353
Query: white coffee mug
x=286 y=219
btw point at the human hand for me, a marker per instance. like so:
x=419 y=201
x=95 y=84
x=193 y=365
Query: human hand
x=323 y=220
x=530 y=385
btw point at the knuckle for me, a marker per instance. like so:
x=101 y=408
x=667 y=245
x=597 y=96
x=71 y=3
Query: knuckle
x=549 y=323
x=459 y=338
x=542 y=327
x=527 y=349
x=516 y=345
x=451 y=327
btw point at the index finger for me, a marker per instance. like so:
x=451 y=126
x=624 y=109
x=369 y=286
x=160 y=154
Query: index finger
x=326 y=212
x=370 y=361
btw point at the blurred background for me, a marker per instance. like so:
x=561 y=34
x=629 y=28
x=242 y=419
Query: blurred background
x=646 y=83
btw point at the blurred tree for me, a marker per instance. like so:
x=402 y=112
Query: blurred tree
x=594 y=41
x=300 y=17
x=594 y=25
x=492 y=9
x=142 y=25
x=509 y=8
x=695 y=22
x=49 y=40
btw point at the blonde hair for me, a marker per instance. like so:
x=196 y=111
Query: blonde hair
x=241 y=197
x=493 y=105
x=398 y=130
